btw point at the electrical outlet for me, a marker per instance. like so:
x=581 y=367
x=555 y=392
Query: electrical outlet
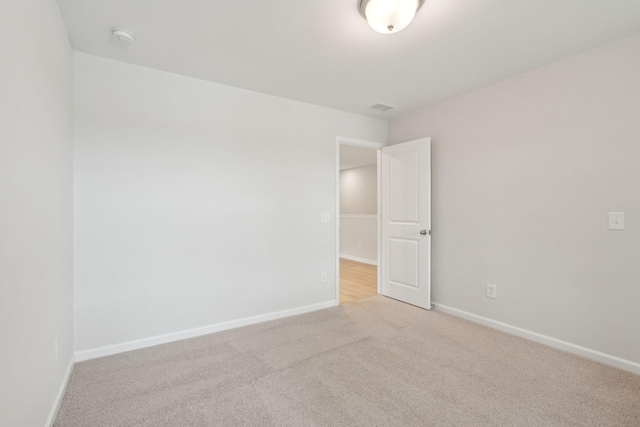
x=325 y=217
x=491 y=291
x=323 y=277
x=616 y=220
x=56 y=348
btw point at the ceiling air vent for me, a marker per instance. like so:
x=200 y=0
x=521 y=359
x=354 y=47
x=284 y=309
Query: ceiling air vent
x=382 y=107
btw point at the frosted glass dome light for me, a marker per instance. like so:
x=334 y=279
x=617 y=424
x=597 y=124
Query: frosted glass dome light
x=389 y=16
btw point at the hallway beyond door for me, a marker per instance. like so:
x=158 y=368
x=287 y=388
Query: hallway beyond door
x=357 y=280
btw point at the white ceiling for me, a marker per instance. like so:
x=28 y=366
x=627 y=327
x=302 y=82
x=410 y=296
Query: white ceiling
x=323 y=52
x=354 y=157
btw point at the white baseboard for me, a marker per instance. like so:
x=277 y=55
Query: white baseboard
x=363 y=260
x=196 y=332
x=588 y=353
x=63 y=387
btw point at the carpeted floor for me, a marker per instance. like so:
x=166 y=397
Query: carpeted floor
x=376 y=362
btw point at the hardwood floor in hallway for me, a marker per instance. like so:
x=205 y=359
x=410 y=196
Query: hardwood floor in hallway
x=357 y=280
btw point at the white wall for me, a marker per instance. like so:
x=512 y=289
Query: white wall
x=359 y=238
x=358 y=211
x=35 y=210
x=524 y=173
x=197 y=203
x=359 y=190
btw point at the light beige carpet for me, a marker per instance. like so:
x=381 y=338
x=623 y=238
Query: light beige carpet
x=376 y=362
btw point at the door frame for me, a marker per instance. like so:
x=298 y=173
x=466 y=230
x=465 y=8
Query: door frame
x=343 y=140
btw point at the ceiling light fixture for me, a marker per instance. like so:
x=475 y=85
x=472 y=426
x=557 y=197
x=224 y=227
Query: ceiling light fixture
x=389 y=16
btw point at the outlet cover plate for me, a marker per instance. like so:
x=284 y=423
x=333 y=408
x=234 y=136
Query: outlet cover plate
x=616 y=220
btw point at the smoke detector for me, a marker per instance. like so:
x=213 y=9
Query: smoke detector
x=123 y=36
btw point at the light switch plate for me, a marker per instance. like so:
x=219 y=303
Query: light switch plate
x=492 y=291
x=616 y=220
x=324 y=217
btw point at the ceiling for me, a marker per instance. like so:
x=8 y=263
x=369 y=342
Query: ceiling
x=324 y=53
x=354 y=157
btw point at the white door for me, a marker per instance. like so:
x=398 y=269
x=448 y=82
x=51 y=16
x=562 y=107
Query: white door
x=406 y=222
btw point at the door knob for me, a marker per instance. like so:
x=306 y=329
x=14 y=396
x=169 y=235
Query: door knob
x=423 y=232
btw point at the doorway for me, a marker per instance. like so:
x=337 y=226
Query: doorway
x=358 y=221
x=403 y=224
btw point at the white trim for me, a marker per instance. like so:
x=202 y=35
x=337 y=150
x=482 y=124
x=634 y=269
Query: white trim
x=379 y=184
x=63 y=388
x=358 y=143
x=362 y=216
x=337 y=255
x=358 y=259
x=195 y=332
x=588 y=353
